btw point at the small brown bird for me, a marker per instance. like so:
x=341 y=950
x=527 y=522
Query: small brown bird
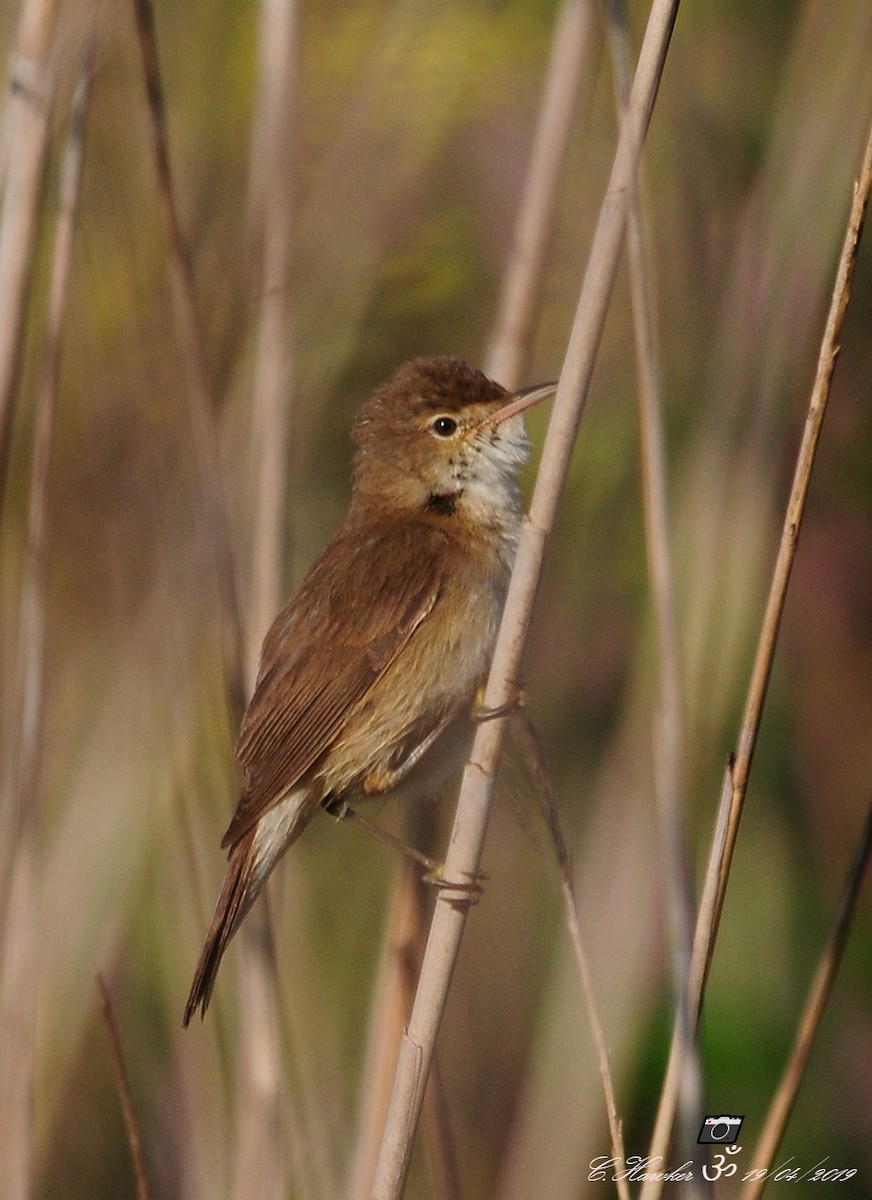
x=369 y=675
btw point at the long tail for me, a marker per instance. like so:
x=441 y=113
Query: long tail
x=251 y=860
x=237 y=896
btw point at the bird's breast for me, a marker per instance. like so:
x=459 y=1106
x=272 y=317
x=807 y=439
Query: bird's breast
x=432 y=683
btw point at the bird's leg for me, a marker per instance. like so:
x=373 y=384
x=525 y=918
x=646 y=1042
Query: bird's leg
x=456 y=892
x=342 y=811
x=384 y=779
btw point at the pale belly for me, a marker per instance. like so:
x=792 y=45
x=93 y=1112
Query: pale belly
x=433 y=683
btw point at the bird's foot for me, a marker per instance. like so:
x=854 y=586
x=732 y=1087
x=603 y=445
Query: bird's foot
x=459 y=892
x=483 y=712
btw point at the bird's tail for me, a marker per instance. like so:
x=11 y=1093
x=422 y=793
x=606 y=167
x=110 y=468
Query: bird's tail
x=251 y=860
x=237 y=895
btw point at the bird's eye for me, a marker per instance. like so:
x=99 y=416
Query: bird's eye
x=444 y=426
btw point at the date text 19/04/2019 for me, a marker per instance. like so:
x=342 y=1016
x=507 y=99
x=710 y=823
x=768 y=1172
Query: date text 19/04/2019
x=637 y=1168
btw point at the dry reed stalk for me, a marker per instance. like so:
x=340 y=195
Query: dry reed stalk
x=201 y=407
x=809 y=1023
x=131 y=1125
x=507 y=361
x=260 y=1153
x=27 y=120
x=273 y=184
x=668 y=732
x=515 y=326
x=735 y=783
x=258 y=1150
x=438 y=1136
x=467 y=837
x=390 y=1011
x=21 y=939
x=261 y=1156
x=394 y=993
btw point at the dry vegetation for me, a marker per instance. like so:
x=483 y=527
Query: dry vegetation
x=195 y=293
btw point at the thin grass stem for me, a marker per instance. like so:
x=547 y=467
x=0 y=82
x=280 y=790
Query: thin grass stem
x=669 y=733
x=735 y=784
x=809 y=1023
x=572 y=49
x=545 y=795
x=131 y=1125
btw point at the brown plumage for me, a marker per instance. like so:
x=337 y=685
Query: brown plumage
x=368 y=675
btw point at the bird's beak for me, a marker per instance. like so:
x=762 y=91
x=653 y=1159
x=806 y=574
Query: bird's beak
x=521 y=401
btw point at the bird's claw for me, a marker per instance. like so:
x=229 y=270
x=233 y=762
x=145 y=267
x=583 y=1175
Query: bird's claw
x=482 y=712
x=456 y=891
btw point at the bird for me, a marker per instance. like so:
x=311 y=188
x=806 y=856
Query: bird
x=369 y=676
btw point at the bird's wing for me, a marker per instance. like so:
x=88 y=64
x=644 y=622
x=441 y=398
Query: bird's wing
x=353 y=615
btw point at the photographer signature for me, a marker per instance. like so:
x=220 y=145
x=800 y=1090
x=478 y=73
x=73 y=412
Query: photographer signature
x=637 y=1169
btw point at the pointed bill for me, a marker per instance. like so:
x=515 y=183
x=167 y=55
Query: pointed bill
x=521 y=401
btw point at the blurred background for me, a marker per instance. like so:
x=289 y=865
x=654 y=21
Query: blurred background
x=412 y=130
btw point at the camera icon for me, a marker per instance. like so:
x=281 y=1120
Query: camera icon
x=722 y=1131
